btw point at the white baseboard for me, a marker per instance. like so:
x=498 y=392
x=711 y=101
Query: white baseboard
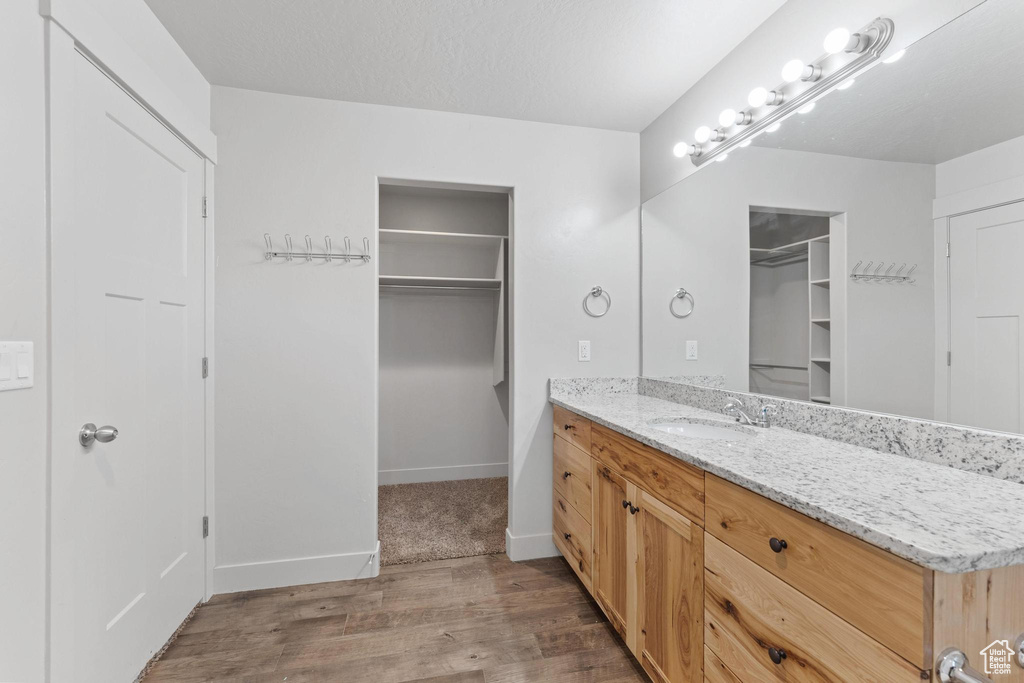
x=520 y=548
x=295 y=572
x=423 y=474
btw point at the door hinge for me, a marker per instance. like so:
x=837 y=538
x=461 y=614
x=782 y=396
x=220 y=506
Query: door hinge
x=206 y=526
x=204 y=207
x=206 y=367
x=949 y=358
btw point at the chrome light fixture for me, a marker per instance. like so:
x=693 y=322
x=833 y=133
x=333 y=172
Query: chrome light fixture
x=845 y=56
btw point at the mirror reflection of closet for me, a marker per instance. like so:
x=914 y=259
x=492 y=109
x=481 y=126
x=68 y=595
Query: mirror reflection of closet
x=793 y=304
x=443 y=369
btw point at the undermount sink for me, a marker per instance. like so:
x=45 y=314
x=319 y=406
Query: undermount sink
x=698 y=429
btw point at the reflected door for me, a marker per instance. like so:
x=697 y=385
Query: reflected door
x=128 y=320
x=986 y=280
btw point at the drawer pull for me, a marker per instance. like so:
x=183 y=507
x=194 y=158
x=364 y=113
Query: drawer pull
x=567 y=536
x=568 y=427
x=628 y=505
x=777 y=655
x=566 y=475
x=778 y=545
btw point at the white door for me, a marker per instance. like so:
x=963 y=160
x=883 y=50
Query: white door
x=986 y=283
x=128 y=315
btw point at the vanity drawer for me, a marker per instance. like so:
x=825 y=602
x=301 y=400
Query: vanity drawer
x=879 y=593
x=715 y=670
x=572 y=476
x=572 y=427
x=679 y=485
x=750 y=615
x=571 y=534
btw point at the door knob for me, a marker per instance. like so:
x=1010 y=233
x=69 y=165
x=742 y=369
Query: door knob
x=90 y=433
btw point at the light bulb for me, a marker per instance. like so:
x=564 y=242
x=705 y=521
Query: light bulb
x=836 y=41
x=772 y=128
x=845 y=84
x=746 y=143
x=757 y=97
x=727 y=117
x=806 y=109
x=896 y=56
x=792 y=71
x=703 y=134
x=681 y=149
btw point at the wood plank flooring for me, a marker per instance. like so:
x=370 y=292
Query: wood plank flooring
x=469 y=620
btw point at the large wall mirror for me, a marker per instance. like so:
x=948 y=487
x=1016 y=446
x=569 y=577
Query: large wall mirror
x=869 y=253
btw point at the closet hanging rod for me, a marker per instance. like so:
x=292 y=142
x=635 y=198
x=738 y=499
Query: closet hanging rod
x=482 y=289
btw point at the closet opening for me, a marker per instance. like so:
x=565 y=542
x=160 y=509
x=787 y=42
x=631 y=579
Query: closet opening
x=797 y=303
x=443 y=375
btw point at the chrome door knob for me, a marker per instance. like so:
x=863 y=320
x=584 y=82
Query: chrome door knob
x=90 y=433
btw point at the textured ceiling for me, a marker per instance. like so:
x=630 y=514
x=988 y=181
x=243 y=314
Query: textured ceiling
x=613 y=64
x=956 y=91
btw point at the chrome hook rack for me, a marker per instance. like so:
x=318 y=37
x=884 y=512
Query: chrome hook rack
x=867 y=274
x=327 y=255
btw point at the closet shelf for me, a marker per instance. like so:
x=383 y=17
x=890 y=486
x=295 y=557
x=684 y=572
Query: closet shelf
x=388 y=236
x=824 y=282
x=821 y=321
x=821 y=360
x=821 y=399
x=439 y=282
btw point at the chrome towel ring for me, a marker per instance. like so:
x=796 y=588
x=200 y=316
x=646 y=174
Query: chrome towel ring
x=681 y=293
x=596 y=293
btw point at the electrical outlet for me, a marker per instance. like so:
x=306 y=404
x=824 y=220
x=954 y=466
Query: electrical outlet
x=691 y=350
x=584 y=351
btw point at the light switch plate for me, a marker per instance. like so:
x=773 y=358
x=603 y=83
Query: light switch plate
x=584 y=351
x=17 y=366
x=691 y=350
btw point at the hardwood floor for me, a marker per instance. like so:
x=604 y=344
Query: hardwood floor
x=470 y=620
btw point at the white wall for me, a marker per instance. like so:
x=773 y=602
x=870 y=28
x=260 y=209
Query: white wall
x=296 y=344
x=696 y=236
x=983 y=167
x=797 y=29
x=23 y=422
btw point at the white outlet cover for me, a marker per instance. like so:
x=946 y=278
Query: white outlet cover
x=691 y=350
x=584 y=351
x=17 y=365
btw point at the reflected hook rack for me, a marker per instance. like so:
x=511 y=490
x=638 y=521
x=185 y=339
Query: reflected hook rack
x=327 y=255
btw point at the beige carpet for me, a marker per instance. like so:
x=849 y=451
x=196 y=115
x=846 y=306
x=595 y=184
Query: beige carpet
x=441 y=520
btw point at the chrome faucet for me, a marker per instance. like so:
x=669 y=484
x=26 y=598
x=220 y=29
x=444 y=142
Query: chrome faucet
x=735 y=407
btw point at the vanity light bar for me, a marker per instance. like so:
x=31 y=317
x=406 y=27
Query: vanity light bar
x=820 y=76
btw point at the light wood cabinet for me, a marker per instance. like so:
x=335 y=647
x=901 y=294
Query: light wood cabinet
x=670 y=592
x=707 y=581
x=615 y=550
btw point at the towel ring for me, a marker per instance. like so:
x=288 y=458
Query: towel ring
x=681 y=293
x=597 y=292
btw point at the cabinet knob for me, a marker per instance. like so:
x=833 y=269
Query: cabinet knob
x=567 y=536
x=778 y=545
x=568 y=427
x=633 y=509
x=566 y=475
x=625 y=504
x=777 y=655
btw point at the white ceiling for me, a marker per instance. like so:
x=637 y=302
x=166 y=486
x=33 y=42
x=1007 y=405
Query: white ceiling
x=956 y=91
x=613 y=64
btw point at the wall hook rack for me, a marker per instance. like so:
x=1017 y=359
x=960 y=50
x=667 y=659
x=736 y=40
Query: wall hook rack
x=867 y=274
x=327 y=255
x=597 y=293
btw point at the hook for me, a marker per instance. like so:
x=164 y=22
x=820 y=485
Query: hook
x=853 y=274
x=898 y=272
x=880 y=264
x=270 y=246
x=309 y=248
x=911 y=272
x=327 y=243
x=366 y=249
x=348 y=249
x=288 y=247
x=889 y=269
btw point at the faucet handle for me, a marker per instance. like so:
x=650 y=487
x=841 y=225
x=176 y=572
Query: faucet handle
x=733 y=405
x=767 y=412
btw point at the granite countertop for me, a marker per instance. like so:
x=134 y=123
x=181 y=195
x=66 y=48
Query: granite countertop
x=943 y=518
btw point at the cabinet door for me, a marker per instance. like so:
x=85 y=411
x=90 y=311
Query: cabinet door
x=670 y=580
x=615 y=548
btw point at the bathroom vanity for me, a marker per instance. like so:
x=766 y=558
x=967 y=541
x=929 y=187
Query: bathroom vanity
x=779 y=555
